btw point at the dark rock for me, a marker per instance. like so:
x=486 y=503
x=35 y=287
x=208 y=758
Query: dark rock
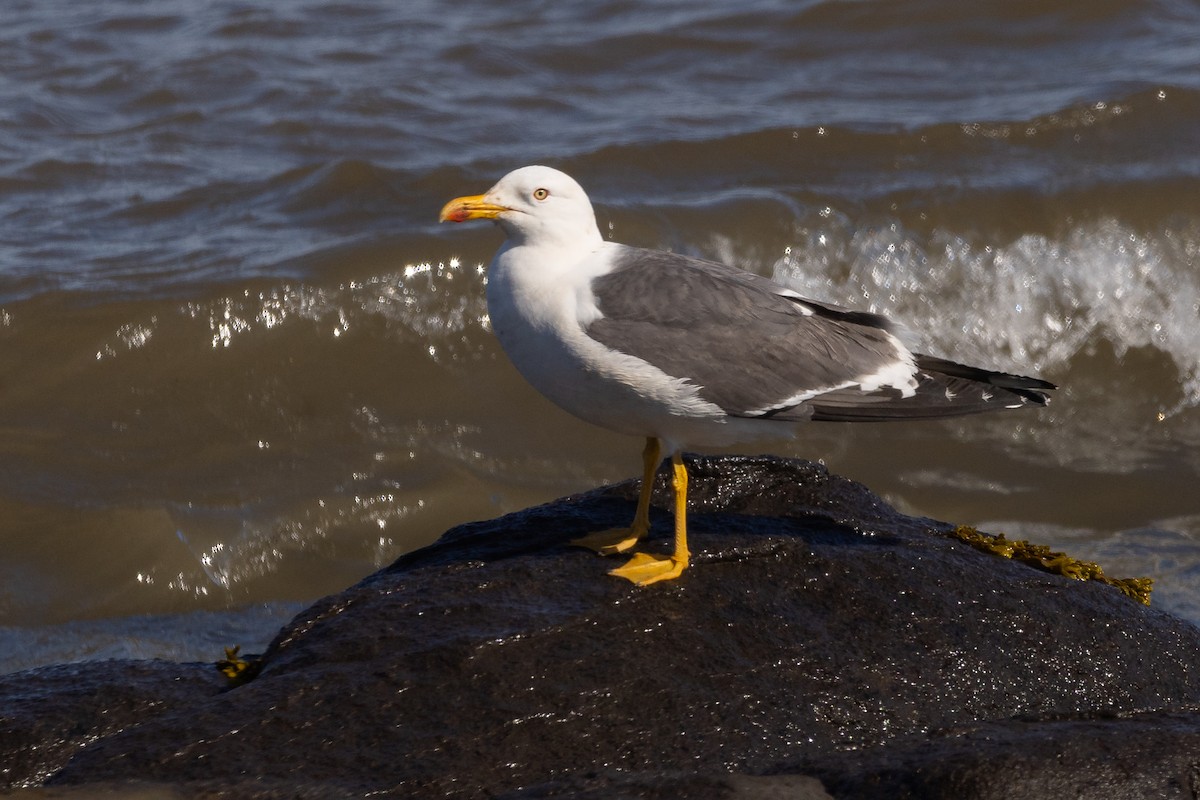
x=819 y=636
x=49 y=714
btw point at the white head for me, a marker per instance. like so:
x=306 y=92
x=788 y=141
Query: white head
x=534 y=205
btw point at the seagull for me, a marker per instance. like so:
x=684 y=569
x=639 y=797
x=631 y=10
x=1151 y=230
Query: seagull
x=688 y=352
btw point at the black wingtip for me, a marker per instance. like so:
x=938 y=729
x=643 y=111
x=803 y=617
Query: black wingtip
x=1020 y=384
x=945 y=389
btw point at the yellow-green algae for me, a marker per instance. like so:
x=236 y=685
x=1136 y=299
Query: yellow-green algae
x=1039 y=555
x=235 y=668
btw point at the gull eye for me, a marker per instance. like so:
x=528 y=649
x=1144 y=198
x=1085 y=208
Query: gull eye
x=541 y=194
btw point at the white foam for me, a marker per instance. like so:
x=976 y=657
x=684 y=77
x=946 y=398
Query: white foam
x=1031 y=304
x=439 y=303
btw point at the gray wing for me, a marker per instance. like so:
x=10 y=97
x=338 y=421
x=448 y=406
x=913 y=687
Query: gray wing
x=732 y=333
x=755 y=349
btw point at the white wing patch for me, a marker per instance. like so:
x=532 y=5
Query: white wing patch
x=801 y=304
x=899 y=374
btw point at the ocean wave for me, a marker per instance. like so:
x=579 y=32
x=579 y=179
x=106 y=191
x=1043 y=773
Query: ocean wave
x=1125 y=138
x=278 y=426
x=1035 y=301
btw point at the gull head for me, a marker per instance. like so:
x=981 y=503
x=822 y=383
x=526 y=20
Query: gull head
x=533 y=205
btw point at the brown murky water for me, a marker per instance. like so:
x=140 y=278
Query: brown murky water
x=241 y=366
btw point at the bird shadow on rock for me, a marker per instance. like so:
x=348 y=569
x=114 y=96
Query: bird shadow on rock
x=747 y=503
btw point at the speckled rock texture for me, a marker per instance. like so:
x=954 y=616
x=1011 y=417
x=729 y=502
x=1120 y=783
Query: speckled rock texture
x=821 y=645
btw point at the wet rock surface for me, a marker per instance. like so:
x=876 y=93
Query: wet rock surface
x=822 y=644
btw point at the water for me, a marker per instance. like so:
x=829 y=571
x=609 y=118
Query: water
x=241 y=366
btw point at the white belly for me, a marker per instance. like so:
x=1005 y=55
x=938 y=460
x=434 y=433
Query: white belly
x=539 y=323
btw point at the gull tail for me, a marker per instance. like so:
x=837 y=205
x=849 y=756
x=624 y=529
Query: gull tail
x=944 y=389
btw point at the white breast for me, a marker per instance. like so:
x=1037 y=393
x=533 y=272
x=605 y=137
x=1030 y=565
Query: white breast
x=539 y=303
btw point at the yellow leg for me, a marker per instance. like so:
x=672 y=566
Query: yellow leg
x=645 y=569
x=618 y=540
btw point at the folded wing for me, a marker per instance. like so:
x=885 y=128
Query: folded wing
x=758 y=350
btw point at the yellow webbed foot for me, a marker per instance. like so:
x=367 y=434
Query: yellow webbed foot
x=620 y=540
x=645 y=569
x=610 y=542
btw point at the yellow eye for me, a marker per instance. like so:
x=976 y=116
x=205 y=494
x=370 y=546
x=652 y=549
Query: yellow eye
x=541 y=194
